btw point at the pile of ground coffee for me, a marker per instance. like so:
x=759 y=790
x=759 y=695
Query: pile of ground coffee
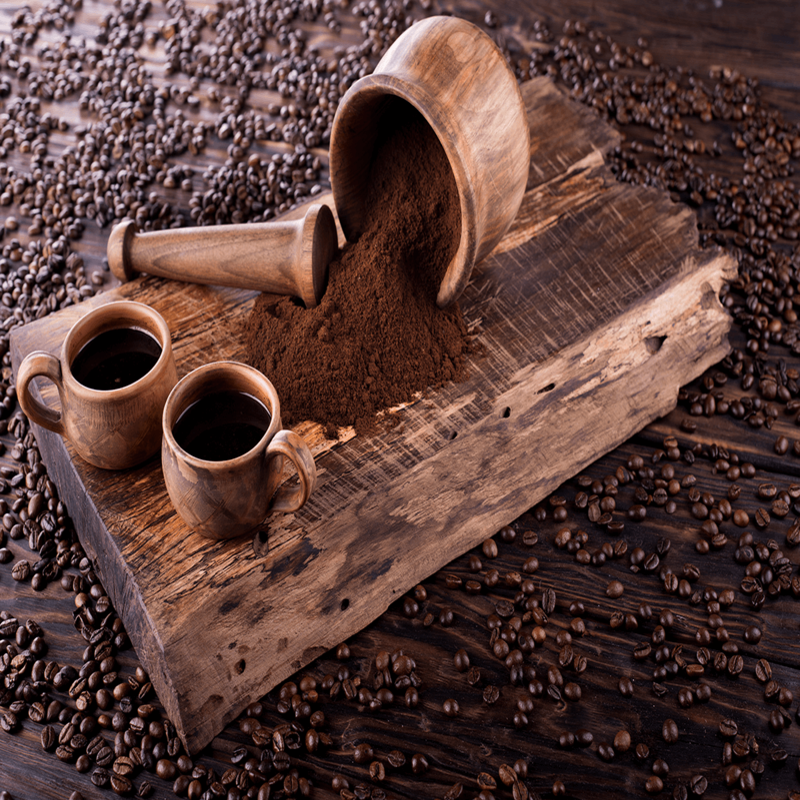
x=378 y=336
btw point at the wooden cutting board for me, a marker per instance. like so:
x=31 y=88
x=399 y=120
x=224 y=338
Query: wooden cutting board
x=594 y=309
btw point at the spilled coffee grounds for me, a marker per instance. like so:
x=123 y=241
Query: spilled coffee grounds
x=378 y=336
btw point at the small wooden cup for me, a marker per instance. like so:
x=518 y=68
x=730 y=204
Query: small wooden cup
x=455 y=75
x=111 y=429
x=225 y=499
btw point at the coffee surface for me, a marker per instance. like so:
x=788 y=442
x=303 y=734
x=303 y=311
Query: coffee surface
x=222 y=425
x=378 y=337
x=115 y=358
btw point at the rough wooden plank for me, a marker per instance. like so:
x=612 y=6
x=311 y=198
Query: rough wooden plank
x=592 y=313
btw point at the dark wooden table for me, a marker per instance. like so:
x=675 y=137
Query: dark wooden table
x=761 y=40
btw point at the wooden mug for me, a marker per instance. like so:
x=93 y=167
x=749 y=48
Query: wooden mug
x=112 y=428
x=222 y=499
x=455 y=75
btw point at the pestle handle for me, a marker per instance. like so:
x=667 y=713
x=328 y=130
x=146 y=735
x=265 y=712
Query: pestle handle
x=283 y=257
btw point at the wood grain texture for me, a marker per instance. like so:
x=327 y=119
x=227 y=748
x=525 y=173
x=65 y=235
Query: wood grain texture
x=568 y=333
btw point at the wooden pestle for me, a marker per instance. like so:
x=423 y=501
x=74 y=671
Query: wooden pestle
x=281 y=257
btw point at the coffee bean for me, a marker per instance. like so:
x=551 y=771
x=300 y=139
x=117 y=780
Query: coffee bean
x=530 y=538
x=48 y=738
x=778 y=756
x=766 y=491
x=750 y=585
x=8 y=720
x=281 y=761
x=763 y=670
x=485 y=781
x=105 y=757
x=752 y=634
x=793 y=534
x=396 y=758
x=583 y=737
x=698 y=784
x=377 y=772
x=65 y=753
x=702 y=693
x=572 y=691
x=651 y=562
x=419 y=763
x=123 y=765
x=165 y=769
x=605 y=751
x=450 y=707
x=776 y=721
x=732 y=775
x=622 y=741
x=489 y=548
x=669 y=731
x=642 y=650
x=446 y=617
x=101 y=778
x=566 y=656
x=741 y=518
x=362 y=753
x=121 y=785
x=566 y=739
x=762 y=518
x=735 y=665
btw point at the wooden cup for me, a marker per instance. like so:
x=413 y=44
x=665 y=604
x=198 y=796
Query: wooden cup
x=455 y=75
x=225 y=499
x=111 y=429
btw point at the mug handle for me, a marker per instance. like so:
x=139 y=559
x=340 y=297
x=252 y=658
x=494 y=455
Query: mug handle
x=40 y=364
x=289 y=444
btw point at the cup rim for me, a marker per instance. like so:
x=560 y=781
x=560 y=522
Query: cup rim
x=115 y=312
x=184 y=393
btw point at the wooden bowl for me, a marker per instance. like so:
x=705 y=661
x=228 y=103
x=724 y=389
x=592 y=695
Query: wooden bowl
x=455 y=75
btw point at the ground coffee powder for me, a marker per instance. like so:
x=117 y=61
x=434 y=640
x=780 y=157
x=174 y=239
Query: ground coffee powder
x=378 y=336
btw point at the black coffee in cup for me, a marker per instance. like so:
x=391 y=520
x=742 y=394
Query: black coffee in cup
x=116 y=358
x=222 y=425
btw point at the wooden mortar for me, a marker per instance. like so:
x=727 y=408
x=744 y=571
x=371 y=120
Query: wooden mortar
x=455 y=75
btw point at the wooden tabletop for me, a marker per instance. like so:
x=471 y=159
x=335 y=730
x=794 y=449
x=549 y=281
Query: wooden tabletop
x=442 y=617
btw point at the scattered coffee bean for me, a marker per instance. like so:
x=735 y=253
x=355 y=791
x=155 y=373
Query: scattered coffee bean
x=605 y=751
x=450 y=707
x=419 y=763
